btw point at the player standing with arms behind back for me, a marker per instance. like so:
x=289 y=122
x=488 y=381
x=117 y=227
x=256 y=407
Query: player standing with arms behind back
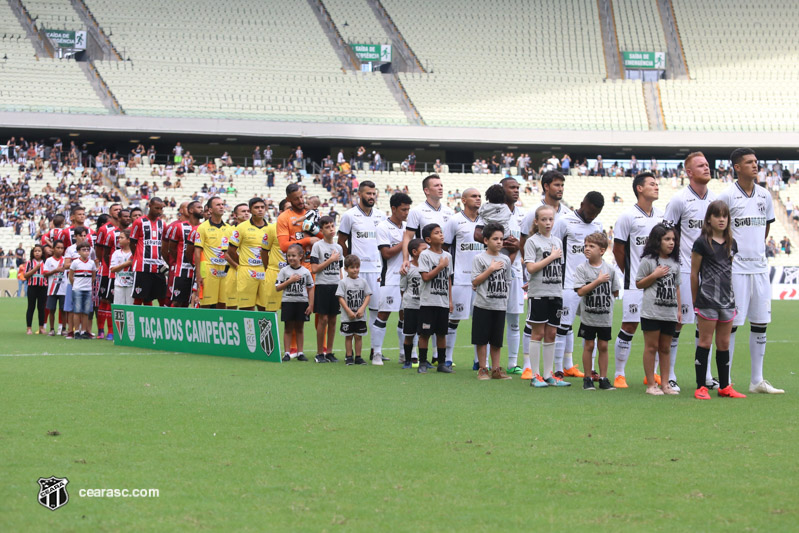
x=686 y=211
x=751 y=214
x=631 y=234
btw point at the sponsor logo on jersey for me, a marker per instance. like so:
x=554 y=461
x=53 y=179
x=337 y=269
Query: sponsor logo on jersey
x=746 y=222
x=695 y=223
x=365 y=235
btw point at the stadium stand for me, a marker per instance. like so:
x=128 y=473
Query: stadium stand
x=267 y=61
x=505 y=65
x=742 y=67
x=54 y=14
x=40 y=84
x=638 y=26
x=356 y=22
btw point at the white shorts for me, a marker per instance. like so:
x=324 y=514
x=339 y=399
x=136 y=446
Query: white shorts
x=686 y=301
x=390 y=299
x=516 y=296
x=571 y=301
x=631 y=305
x=462 y=302
x=752 y=298
x=372 y=279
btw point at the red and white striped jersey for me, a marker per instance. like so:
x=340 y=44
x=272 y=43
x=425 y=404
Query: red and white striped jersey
x=148 y=234
x=56 y=283
x=180 y=232
x=51 y=235
x=68 y=236
x=107 y=236
x=38 y=279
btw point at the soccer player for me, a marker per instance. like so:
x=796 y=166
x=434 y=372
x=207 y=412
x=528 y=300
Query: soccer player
x=630 y=235
x=146 y=233
x=240 y=215
x=180 y=251
x=170 y=257
x=54 y=233
x=751 y=213
x=357 y=234
x=572 y=228
x=429 y=212
x=289 y=224
x=103 y=252
x=390 y=233
x=246 y=257
x=516 y=294
x=77 y=216
x=686 y=211
x=275 y=260
x=460 y=243
x=210 y=242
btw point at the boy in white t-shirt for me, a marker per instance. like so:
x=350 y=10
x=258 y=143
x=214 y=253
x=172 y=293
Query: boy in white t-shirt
x=82 y=272
x=121 y=271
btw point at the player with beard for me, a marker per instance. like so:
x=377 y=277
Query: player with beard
x=390 y=233
x=246 y=256
x=103 y=251
x=357 y=234
x=516 y=294
x=171 y=258
x=241 y=214
x=459 y=242
x=180 y=253
x=751 y=215
x=210 y=242
x=145 y=243
x=686 y=211
x=572 y=228
x=630 y=236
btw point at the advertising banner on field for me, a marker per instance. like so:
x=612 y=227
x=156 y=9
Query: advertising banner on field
x=784 y=283
x=644 y=60
x=67 y=39
x=373 y=52
x=242 y=334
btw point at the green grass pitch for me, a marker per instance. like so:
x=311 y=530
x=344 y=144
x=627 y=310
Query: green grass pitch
x=245 y=445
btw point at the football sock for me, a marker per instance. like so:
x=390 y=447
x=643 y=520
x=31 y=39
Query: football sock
x=535 y=356
x=442 y=355
x=408 y=352
x=568 y=349
x=514 y=338
x=593 y=359
x=548 y=353
x=526 y=346
x=732 y=346
x=757 y=349
x=400 y=334
x=709 y=375
x=723 y=365
x=560 y=346
x=700 y=364
x=452 y=335
x=378 y=334
x=675 y=343
x=624 y=343
x=422 y=355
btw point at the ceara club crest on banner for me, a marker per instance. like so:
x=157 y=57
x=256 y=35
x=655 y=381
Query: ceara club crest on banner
x=267 y=339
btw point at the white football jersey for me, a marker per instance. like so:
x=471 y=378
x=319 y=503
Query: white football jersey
x=459 y=236
x=571 y=229
x=424 y=214
x=686 y=210
x=632 y=229
x=749 y=217
x=529 y=218
x=388 y=236
x=362 y=232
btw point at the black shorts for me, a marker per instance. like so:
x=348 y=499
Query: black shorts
x=353 y=328
x=590 y=333
x=54 y=300
x=433 y=321
x=488 y=327
x=325 y=301
x=294 y=312
x=544 y=310
x=410 y=322
x=106 y=289
x=665 y=327
x=149 y=286
x=181 y=290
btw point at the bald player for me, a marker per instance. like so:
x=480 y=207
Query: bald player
x=460 y=243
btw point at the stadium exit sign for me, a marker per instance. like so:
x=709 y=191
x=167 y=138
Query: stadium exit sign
x=639 y=60
x=373 y=52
